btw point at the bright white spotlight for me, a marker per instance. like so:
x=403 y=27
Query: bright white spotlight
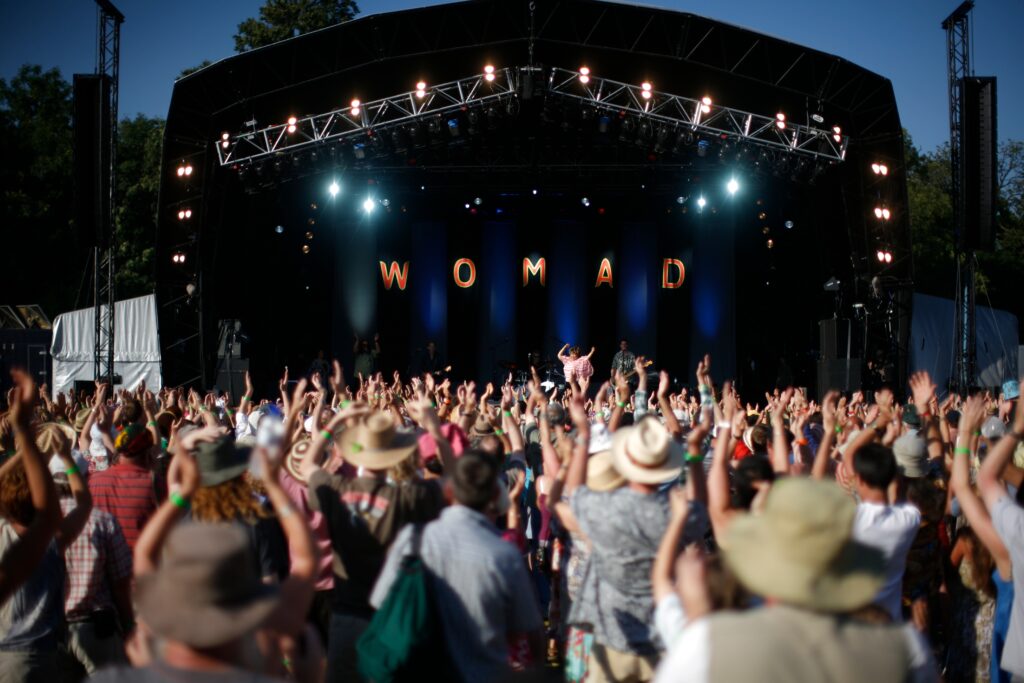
x=291 y=124
x=886 y=214
x=421 y=89
x=333 y=189
x=876 y=169
x=881 y=256
x=584 y=75
x=780 y=121
x=732 y=186
x=837 y=133
x=224 y=140
x=705 y=105
x=369 y=205
x=878 y=212
x=701 y=202
x=645 y=90
x=489 y=73
x=888 y=257
x=355 y=104
x=883 y=169
x=585 y=201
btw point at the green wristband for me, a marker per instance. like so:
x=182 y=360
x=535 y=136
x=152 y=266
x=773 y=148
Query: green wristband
x=327 y=434
x=177 y=500
x=71 y=469
x=345 y=404
x=507 y=413
x=246 y=398
x=694 y=457
x=621 y=404
x=152 y=423
x=499 y=432
x=962 y=450
x=839 y=429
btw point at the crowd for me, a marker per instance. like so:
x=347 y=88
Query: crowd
x=399 y=529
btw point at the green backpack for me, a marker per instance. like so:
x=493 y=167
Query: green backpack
x=405 y=636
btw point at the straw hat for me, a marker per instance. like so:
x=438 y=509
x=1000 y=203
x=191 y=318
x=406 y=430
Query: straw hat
x=601 y=473
x=207 y=591
x=376 y=444
x=481 y=427
x=293 y=461
x=911 y=454
x=801 y=550
x=646 y=453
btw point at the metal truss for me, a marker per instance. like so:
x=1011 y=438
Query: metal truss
x=108 y=62
x=688 y=114
x=368 y=117
x=681 y=113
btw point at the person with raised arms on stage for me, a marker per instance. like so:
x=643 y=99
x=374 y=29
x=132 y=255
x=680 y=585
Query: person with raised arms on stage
x=575 y=365
x=365 y=360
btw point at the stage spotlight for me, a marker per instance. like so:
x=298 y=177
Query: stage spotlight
x=888 y=257
x=789 y=225
x=489 y=73
x=478 y=201
x=385 y=202
x=837 y=133
x=585 y=201
x=680 y=200
x=333 y=189
x=309 y=234
x=279 y=229
x=355 y=107
x=732 y=186
x=762 y=216
x=780 y=121
x=421 y=89
x=467 y=205
x=879 y=169
x=305 y=248
x=881 y=256
x=225 y=141
x=369 y=205
x=701 y=202
x=535 y=193
x=770 y=243
x=453 y=127
x=645 y=90
x=705 y=105
x=584 y=75
x=359 y=151
x=702 y=148
x=291 y=124
x=886 y=214
x=178 y=257
x=184 y=169
x=882 y=213
x=190 y=289
x=878 y=212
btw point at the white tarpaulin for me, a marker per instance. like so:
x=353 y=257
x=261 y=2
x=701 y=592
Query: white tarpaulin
x=932 y=341
x=136 y=345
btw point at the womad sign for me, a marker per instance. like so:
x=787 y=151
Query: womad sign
x=535 y=273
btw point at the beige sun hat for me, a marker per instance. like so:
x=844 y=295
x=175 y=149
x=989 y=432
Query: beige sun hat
x=646 y=453
x=601 y=473
x=801 y=550
x=375 y=443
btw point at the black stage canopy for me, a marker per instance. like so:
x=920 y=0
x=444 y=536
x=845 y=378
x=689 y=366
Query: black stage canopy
x=578 y=149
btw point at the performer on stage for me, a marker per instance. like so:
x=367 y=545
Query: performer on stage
x=576 y=365
x=429 y=360
x=624 y=359
x=365 y=358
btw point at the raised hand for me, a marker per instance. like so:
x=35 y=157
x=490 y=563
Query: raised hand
x=923 y=390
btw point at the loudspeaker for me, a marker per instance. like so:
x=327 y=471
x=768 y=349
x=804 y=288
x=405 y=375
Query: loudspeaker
x=833 y=338
x=842 y=374
x=978 y=176
x=91 y=124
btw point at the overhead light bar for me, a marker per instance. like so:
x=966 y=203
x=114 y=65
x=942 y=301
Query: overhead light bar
x=696 y=114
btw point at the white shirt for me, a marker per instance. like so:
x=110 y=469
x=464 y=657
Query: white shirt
x=891 y=529
x=689 y=647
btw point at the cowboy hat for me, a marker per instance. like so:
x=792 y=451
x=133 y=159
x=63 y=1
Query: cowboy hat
x=482 y=427
x=646 y=454
x=220 y=461
x=206 y=592
x=911 y=454
x=801 y=550
x=601 y=473
x=375 y=444
x=293 y=461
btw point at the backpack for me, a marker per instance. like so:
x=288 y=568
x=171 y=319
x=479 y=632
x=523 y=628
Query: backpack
x=405 y=637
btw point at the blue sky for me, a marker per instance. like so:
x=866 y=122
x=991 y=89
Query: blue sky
x=900 y=39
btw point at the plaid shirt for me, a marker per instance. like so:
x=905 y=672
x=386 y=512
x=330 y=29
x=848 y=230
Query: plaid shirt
x=97 y=560
x=130 y=493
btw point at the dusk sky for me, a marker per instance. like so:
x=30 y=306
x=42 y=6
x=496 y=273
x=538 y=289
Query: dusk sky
x=900 y=39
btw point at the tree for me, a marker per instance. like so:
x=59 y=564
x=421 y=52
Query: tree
x=39 y=262
x=138 y=182
x=192 y=69
x=281 y=19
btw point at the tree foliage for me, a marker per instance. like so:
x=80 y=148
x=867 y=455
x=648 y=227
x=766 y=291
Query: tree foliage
x=281 y=19
x=43 y=257
x=931 y=224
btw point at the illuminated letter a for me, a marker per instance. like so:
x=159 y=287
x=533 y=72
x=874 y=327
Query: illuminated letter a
x=604 y=274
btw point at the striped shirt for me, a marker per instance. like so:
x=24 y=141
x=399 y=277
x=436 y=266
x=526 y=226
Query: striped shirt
x=97 y=560
x=128 y=492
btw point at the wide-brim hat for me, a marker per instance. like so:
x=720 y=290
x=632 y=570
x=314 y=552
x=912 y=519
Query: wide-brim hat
x=81 y=417
x=481 y=427
x=376 y=444
x=296 y=456
x=220 y=461
x=206 y=592
x=911 y=453
x=801 y=550
x=601 y=473
x=646 y=454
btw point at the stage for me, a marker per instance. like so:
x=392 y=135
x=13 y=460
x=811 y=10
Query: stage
x=580 y=174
